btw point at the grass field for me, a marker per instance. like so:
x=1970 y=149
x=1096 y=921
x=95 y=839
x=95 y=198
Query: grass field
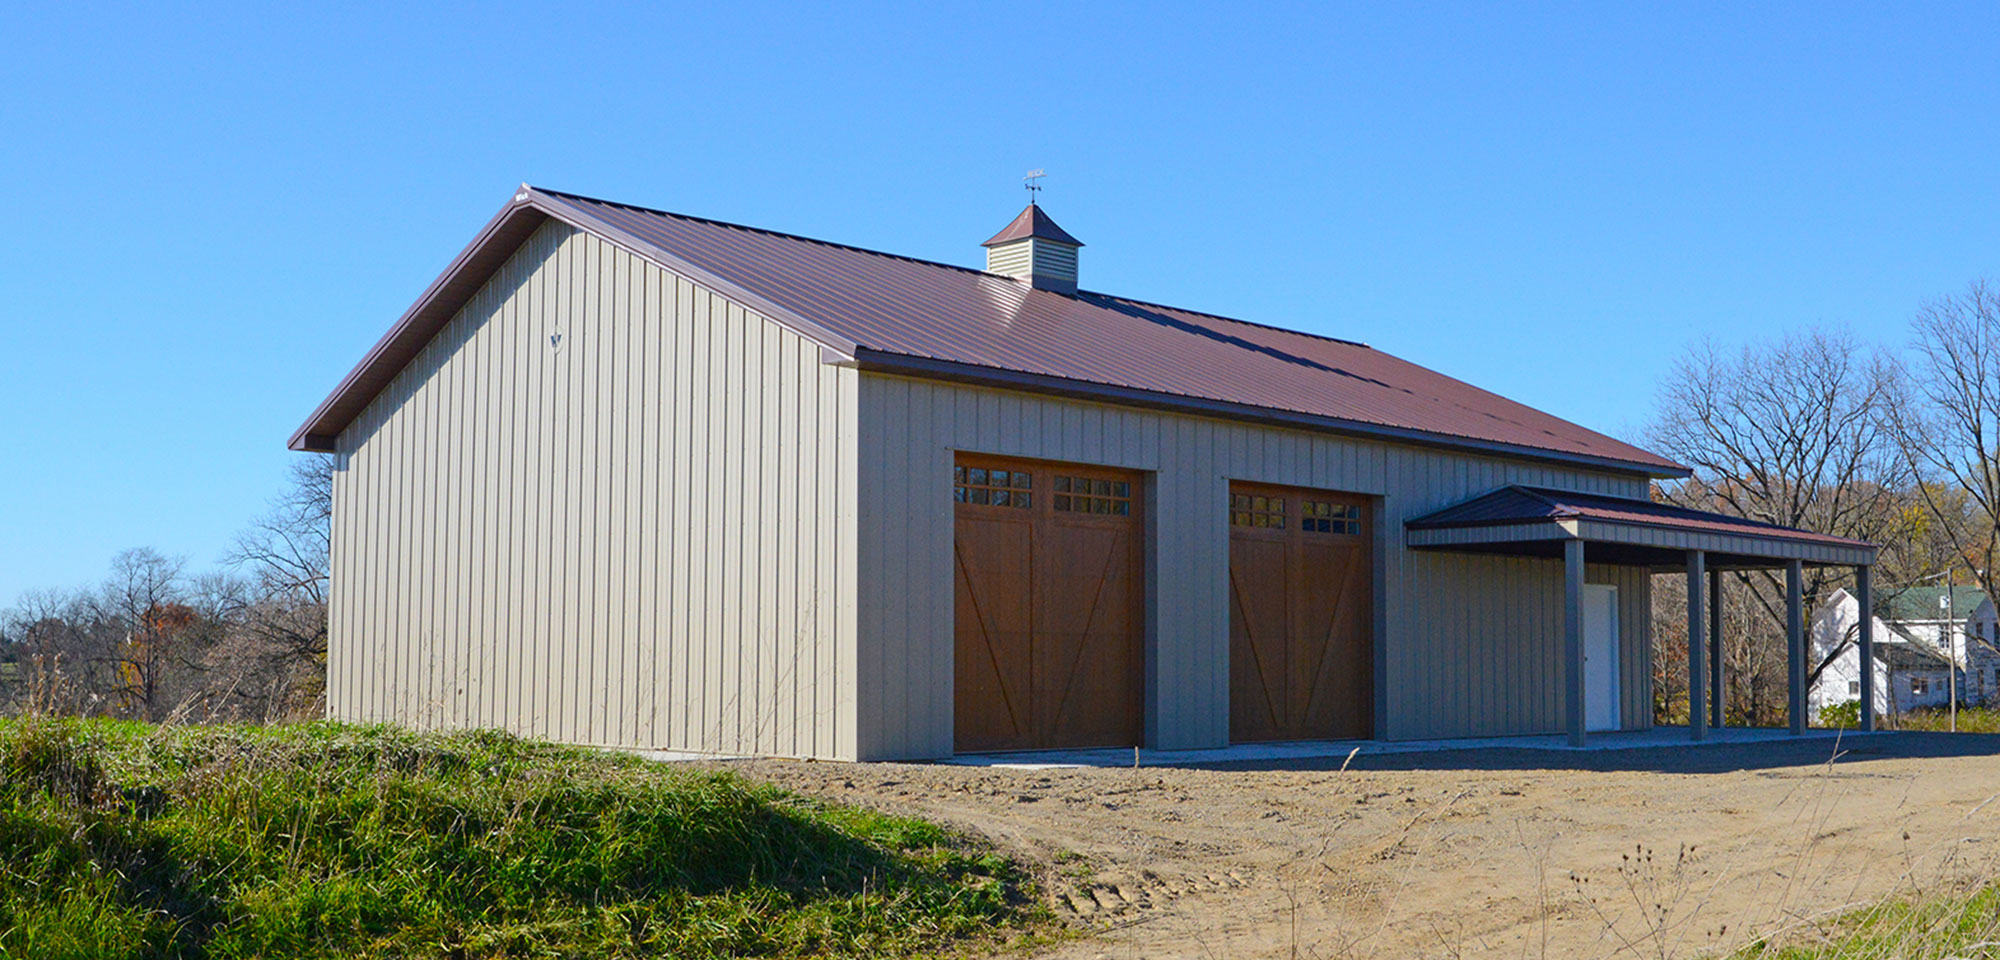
x=320 y=840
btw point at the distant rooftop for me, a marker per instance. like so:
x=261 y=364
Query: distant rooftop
x=1921 y=602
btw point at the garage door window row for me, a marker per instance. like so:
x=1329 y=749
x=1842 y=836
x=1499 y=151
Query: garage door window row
x=1092 y=495
x=1257 y=512
x=994 y=488
x=1323 y=517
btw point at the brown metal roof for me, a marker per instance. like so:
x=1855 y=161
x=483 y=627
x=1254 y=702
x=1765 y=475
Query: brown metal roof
x=1032 y=223
x=1518 y=504
x=916 y=317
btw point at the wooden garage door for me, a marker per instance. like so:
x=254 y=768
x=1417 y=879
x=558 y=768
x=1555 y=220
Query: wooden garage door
x=1048 y=601
x=1301 y=614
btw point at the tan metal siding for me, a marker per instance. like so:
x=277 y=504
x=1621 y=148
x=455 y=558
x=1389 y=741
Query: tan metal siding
x=1470 y=644
x=635 y=538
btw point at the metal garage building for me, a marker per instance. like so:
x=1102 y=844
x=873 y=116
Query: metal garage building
x=628 y=477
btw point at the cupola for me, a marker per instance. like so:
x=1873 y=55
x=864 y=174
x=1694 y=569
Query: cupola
x=1034 y=249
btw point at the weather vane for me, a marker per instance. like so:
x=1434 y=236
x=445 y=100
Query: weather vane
x=1033 y=181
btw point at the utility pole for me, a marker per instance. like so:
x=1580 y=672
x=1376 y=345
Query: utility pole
x=1947 y=639
x=1950 y=646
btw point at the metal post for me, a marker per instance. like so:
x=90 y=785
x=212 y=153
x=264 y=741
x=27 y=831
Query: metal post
x=1951 y=648
x=1697 y=673
x=1573 y=640
x=1865 y=596
x=1795 y=641
x=1715 y=680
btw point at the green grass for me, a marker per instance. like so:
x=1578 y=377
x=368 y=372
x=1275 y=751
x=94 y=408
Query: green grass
x=322 y=840
x=1938 y=926
x=1970 y=719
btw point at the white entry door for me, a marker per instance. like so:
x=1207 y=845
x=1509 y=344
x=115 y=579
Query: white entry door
x=1600 y=657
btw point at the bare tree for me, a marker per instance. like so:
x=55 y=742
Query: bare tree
x=1946 y=421
x=275 y=658
x=1924 y=537
x=287 y=549
x=145 y=599
x=153 y=641
x=1788 y=432
x=60 y=649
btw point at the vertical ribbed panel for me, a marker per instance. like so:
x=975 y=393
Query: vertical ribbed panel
x=634 y=535
x=1471 y=644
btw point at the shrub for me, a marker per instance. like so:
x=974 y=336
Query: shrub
x=1843 y=716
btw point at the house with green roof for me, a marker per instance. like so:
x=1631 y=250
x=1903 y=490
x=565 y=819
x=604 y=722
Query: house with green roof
x=1931 y=641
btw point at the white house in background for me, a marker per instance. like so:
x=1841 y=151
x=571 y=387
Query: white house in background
x=1980 y=652
x=1968 y=632
x=1915 y=645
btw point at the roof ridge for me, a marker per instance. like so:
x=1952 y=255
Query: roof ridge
x=1538 y=494
x=933 y=263
x=766 y=231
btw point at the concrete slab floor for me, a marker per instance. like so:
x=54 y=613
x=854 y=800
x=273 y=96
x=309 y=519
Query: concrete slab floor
x=1653 y=739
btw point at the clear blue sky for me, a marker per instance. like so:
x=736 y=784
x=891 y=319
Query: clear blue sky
x=213 y=212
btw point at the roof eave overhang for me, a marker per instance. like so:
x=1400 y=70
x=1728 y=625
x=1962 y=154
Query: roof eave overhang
x=1737 y=549
x=470 y=270
x=514 y=222
x=929 y=368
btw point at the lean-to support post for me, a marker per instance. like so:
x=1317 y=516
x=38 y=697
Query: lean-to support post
x=1697 y=670
x=1715 y=682
x=1573 y=690
x=1864 y=595
x=1795 y=642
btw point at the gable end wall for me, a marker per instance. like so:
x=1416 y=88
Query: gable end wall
x=636 y=536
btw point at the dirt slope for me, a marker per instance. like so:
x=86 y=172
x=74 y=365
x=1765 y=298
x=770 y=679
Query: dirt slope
x=1489 y=854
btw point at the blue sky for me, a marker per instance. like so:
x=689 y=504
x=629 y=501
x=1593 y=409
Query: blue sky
x=214 y=211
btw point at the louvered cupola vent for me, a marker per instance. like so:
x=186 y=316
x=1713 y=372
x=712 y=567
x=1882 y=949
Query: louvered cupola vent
x=1034 y=249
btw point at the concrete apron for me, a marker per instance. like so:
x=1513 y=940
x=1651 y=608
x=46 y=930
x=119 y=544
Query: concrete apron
x=1656 y=738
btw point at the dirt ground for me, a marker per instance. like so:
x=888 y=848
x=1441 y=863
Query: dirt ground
x=1494 y=853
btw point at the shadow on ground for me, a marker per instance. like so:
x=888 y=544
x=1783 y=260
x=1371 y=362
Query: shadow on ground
x=1693 y=758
